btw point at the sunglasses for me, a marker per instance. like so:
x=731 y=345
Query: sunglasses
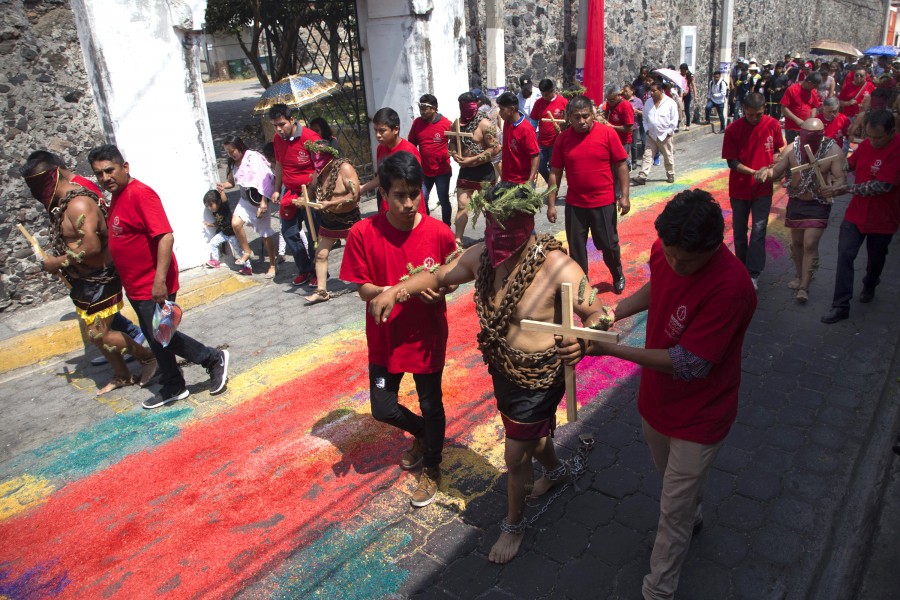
x=425 y=105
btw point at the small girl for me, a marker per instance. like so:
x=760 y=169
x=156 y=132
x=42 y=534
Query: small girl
x=217 y=204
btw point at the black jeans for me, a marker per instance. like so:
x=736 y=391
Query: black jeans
x=687 y=99
x=181 y=345
x=383 y=388
x=850 y=241
x=752 y=254
x=442 y=183
x=601 y=222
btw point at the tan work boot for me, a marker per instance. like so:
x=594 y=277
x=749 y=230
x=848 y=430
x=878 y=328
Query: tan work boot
x=412 y=458
x=427 y=489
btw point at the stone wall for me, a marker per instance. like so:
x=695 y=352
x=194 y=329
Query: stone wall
x=541 y=35
x=46 y=103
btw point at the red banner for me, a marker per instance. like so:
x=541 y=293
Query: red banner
x=593 y=52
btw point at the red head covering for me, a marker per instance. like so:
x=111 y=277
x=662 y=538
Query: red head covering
x=43 y=186
x=467 y=111
x=503 y=240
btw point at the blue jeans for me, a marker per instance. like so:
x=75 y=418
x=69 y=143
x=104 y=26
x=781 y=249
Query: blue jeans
x=752 y=254
x=544 y=164
x=121 y=323
x=719 y=109
x=442 y=182
x=298 y=243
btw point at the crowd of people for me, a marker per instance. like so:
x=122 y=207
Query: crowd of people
x=404 y=262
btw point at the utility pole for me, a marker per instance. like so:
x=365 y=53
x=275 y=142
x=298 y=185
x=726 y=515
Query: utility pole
x=496 y=49
x=725 y=45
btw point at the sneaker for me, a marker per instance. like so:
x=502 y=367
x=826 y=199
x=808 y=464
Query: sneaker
x=639 y=180
x=246 y=270
x=427 y=489
x=301 y=278
x=313 y=281
x=656 y=162
x=218 y=374
x=619 y=285
x=139 y=339
x=670 y=178
x=412 y=457
x=212 y=264
x=165 y=398
x=755 y=281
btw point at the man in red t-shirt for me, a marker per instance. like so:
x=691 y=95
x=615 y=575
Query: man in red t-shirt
x=520 y=153
x=619 y=115
x=592 y=156
x=386 y=123
x=799 y=103
x=549 y=106
x=837 y=125
x=873 y=215
x=749 y=146
x=141 y=241
x=699 y=303
x=293 y=169
x=414 y=339
x=854 y=91
x=427 y=132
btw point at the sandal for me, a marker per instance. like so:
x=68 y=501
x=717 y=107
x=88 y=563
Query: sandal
x=244 y=259
x=116 y=383
x=802 y=296
x=317 y=297
x=794 y=284
x=271 y=273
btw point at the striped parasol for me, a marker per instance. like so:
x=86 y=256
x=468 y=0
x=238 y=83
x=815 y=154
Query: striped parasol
x=295 y=91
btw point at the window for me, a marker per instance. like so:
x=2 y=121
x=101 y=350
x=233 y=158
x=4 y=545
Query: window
x=689 y=46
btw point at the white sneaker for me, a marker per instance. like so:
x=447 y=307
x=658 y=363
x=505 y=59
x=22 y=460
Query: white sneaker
x=755 y=282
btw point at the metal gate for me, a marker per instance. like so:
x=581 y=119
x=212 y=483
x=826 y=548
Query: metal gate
x=330 y=47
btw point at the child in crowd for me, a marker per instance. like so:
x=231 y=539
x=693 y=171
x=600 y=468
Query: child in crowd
x=217 y=204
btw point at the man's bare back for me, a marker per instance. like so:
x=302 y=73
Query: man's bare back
x=84 y=232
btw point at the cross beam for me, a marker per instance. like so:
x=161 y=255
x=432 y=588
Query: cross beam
x=816 y=165
x=568 y=328
x=549 y=119
x=458 y=134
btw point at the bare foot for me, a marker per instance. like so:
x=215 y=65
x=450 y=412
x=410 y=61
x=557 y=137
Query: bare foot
x=148 y=370
x=545 y=484
x=318 y=297
x=505 y=548
x=115 y=383
x=271 y=273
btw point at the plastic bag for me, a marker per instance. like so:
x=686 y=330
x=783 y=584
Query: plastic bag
x=166 y=318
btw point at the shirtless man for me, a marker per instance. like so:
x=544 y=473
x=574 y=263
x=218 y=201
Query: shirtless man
x=807 y=210
x=78 y=237
x=336 y=186
x=511 y=284
x=475 y=160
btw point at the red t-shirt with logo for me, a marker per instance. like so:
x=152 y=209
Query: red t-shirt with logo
x=382 y=152
x=707 y=313
x=296 y=166
x=838 y=128
x=587 y=159
x=754 y=147
x=546 y=130
x=432 y=143
x=135 y=222
x=849 y=91
x=800 y=102
x=621 y=114
x=520 y=145
x=414 y=339
x=876 y=214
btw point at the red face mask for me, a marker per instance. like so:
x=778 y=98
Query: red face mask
x=503 y=242
x=813 y=139
x=467 y=110
x=43 y=186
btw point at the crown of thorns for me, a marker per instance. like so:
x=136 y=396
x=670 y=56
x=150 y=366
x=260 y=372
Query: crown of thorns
x=504 y=199
x=321 y=146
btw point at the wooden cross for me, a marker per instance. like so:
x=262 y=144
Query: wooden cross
x=309 y=205
x=816 y=165
x=459 y=134
x=550 y=119
x=568 y=328
x=39 y=252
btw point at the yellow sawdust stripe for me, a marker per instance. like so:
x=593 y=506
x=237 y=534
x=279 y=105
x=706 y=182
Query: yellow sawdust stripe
x=44 y=343
x=21 y=493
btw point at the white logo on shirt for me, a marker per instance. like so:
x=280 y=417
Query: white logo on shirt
x=116 y=229
x=676 y=323
x=438 y=137
x=303 y=157
x=428 y=263
x=770 y=145
x=876 y=166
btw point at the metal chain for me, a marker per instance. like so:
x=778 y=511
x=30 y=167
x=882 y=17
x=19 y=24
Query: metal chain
x=576 y=466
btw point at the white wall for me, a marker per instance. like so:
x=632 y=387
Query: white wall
x=413 y=47
x=143 y=60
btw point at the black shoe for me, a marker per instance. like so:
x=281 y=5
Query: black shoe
x=698 y=527
x=639 y=181
x=218 y=373
x=165 y=398
x=619 y=285
x=867 y=295
x=836 y=314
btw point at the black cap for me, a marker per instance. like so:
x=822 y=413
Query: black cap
x=523 y=81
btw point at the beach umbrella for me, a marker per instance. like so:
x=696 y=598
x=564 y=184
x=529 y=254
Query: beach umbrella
x=833 y=47
x=673 y=76
x=295 y=91
x=881 y=51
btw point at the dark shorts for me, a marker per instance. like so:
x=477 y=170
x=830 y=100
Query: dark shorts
x=527 y=415
x=472 y=178
x=98 y=295
x=806 y=214
x=337 y=225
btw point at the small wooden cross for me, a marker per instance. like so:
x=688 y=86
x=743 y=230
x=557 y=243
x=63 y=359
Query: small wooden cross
x=568 y=328
x=550 y=119
x=816 y=165
x=39 y=252
x=309 y=204
x=459 y=134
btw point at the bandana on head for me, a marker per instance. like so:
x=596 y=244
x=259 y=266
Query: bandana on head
x=43 y=186
x=322 y=154
x=504 y=240
x=467 y=110
x=813 y=139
